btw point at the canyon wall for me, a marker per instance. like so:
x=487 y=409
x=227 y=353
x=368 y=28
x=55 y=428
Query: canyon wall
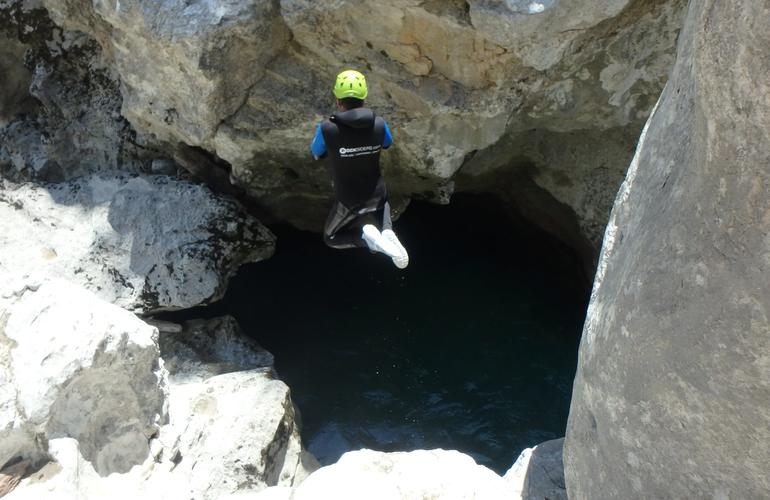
x=109 y=109
x=540 y=103
x=673 y=384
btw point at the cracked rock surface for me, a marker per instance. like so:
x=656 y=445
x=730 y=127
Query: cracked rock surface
x=522 y=99
x=145 y=243
x=100 y=416
x=73 y=366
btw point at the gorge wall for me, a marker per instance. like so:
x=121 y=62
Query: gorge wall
x=541 y=108
x=672 y=394
x=141 y=141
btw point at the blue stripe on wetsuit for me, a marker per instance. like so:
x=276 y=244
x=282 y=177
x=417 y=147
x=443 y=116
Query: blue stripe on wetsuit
x=388 y=140
x=318 y=146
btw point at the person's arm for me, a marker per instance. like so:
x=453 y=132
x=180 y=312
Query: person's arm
x=388 y=139
x=318 y=146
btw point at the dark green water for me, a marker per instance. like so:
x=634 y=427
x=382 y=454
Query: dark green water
x=473 y=347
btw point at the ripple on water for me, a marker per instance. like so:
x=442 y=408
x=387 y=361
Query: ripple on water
x=473 y=347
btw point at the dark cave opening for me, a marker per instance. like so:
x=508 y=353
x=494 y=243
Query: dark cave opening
x=472 y=347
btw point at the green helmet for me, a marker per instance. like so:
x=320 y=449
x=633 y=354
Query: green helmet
x=350 y=83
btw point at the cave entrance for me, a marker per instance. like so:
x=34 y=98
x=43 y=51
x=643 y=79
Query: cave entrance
x=473 y=347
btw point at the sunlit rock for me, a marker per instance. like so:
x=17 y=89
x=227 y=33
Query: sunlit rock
x=184 y=66
x=74 y=366
x=201 y=349
x=673 y=384
x=142 y=242
x=550 y=92
x=389 y=476
x=232 y=423
x=231 y=426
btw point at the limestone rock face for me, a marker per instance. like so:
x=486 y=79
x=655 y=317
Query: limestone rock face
x=231 y=427
x=185 y=66
x=60 y=106
x=237 y=433
x=74 y=366
x=517 y=98
x=142 y=242
x=673 y=383
x=202 y=349
x=389 y=476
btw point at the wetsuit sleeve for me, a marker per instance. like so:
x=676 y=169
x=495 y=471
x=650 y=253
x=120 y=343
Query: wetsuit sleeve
x=318 y=146
x=388 y=140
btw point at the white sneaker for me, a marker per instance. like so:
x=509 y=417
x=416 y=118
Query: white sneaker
x=378 y=243
x=402 y=260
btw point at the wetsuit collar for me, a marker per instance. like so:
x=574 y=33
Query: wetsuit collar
x=355 y=118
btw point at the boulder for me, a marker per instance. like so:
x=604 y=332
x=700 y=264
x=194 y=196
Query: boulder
x=232 y=423
x=231 y=428
x=538 y=473
x=234 y=432
x=69 y=476
x=75 y=366
x=203 y=348
x=142 y=242
x=673 y=384
x=184 y=66
x=389 y=476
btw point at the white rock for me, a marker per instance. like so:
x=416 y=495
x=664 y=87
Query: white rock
x=232 y=426
x=202 y=349
x=144 y=243
x=68 y=476
x=448 y=475
x=234 y=432
x=79 y=368
x=226 y=434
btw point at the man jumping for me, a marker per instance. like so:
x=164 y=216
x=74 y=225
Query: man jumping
x=354 y=137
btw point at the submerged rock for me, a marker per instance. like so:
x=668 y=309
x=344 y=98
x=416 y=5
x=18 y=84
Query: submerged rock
x=142 y=242
x=672 y=390
x=74 y=366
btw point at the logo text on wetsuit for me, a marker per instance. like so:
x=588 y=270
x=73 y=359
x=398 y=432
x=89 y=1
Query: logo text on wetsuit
x=359 y=151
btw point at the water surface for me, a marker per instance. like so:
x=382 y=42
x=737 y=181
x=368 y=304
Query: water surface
x=473 y=347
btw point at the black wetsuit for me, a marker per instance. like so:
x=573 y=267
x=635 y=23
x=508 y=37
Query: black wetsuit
x=353 y=139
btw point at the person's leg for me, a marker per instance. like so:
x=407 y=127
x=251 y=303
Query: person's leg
x=379 y=241
x=350 y=229
x=402 y=259
x=340 y=231
x=387 y=222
